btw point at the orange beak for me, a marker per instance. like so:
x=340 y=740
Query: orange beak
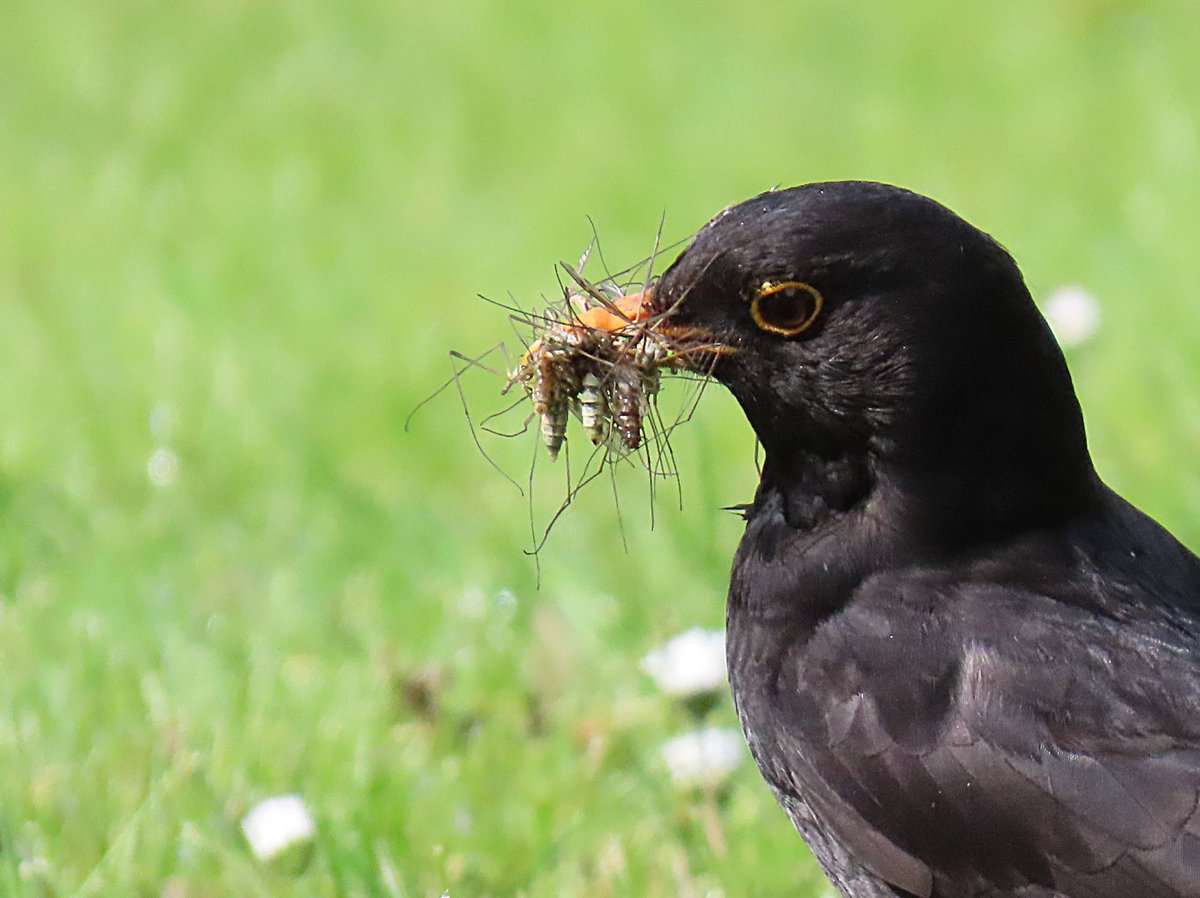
x=619 y=314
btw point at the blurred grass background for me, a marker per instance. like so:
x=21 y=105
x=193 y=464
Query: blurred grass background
x=237 y=241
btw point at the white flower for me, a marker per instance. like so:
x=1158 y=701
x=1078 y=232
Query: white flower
x=1073 y=314
x=693 y=663
x=276 y=824
x=163 y=467
x=703 y=757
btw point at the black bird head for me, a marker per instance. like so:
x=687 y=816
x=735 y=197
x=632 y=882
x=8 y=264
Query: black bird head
x=884 y=351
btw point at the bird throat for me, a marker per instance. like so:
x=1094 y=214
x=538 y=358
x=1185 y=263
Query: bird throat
x=812 y=488
x=805 y=548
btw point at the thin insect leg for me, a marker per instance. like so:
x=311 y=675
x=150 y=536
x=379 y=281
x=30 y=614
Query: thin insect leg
x=697 y=387
x=477 y=361
x=654 y=252
x=563 y=507
x=516 y=372
x=712 y=350
x=598 y=452
x=572 y=492
x=591 y=291
x=562 y=287
x=673 y=467
x=665 y=462
x=612 y=477
x=535 y=319
x=568 y=308
x=521 y=338
x=640 y=263
x=581 y=485
x=528 y=318
x=688 y=409
x=667 y=466
x=504 y=411
x=567 y=463
x=453 y=377
x=558 y=296
x=424 y=402
x=514 y=308
x=653 y=485
x=508 y=362
x=475 y=435
x=757 y=456
x=511 y=434
x=650 y=436
x=651 y=459
x=608 y=278
x=583 y=283
x=653 y=488
x=484 y=426
x=549 y=316
x=694 y=391
x=599 y=250
x=587 y=253
x=585 y=475
x=536 y=549
x=631 y=270
x=561 y=312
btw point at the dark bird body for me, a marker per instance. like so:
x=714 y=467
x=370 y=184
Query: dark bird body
x=964 y=665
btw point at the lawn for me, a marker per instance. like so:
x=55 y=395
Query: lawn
x=237 y=243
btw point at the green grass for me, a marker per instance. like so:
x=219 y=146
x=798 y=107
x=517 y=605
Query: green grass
x=248 y=233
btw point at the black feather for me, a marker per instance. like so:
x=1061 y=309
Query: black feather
x=963 y=664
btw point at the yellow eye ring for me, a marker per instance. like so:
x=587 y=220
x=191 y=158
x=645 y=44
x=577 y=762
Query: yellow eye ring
x=787 y=308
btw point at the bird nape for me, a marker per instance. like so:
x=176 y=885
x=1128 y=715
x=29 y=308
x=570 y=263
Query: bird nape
x=964 y=665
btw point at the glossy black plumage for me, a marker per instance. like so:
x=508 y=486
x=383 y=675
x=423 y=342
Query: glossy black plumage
x=964 y=665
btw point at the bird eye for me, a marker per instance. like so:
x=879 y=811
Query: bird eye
x=788 y=308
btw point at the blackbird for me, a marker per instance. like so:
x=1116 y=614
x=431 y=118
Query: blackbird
x=964 y=665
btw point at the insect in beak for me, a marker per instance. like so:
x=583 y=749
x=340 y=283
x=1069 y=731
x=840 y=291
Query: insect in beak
x=603 y=364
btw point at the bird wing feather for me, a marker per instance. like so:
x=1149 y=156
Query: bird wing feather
x=1042 y=747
